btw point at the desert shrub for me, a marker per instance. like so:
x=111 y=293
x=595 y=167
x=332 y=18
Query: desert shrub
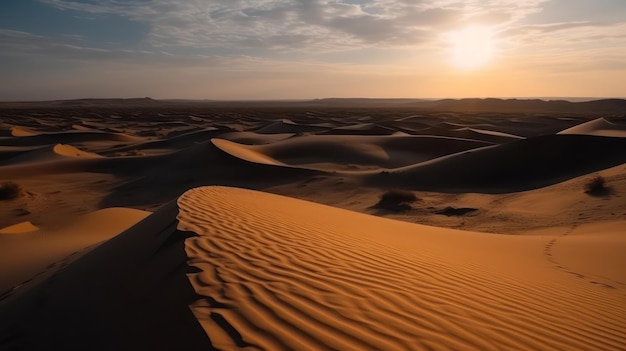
x=596 y=184
x=10 y=190
x=396 y=200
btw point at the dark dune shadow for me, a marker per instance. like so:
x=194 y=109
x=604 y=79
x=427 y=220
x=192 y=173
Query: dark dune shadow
x=456 y=212
x=518 y=166
x=130 y=293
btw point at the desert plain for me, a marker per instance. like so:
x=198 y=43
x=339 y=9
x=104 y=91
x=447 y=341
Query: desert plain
x=141 y=224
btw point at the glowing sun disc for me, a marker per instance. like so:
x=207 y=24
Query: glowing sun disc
x=472 y=47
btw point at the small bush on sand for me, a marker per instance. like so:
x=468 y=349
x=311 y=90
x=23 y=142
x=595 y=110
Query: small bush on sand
x=396 y=200
x=10 y=191
x=596 y=185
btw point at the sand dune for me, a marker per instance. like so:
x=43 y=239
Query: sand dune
x=66 y=137
x=19 y=228
x=522 y=165
x=251 y=138
x=212 y=162
x=286 y=126
x=115 y=297
x=271 y=276
x=22 y=132
x=244 y=153
x=227 y=268
x=31 y=250
x=50 y=154
x=600 y=127
x=285 y=280
x=347 y=152
x=156 y=147
x=360 y=129
x=472 y=134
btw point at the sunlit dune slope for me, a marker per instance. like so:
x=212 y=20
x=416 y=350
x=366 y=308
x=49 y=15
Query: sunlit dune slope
x=276 y=277
x=600 y=127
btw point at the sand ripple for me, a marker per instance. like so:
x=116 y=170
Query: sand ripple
x=283 y=274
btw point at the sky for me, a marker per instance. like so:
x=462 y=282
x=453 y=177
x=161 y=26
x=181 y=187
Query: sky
x=304 y=49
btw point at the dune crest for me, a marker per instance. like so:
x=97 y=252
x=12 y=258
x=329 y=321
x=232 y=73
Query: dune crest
x=22 y=227
x=599 y=127
x=70 y=151
x=240 y=151
x=22 y=132
x=275 y=277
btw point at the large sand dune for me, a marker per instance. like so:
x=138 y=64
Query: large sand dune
x=522 y=165
x=224 y=264
x=600 y=127
x=354 y=151
x=271 y=276
x=283 y=279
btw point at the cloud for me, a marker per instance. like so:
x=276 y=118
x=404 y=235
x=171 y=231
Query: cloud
x=26 y=47
x=327 y=25
x=23 y=44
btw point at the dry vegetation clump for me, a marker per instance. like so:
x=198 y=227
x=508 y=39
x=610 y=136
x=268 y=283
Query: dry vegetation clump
x=10 y=191
x=396 y=200
x=596 y=185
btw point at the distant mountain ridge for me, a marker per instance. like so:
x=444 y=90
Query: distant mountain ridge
x=523 y=105
x=469 y=105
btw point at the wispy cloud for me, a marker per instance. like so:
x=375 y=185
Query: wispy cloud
x=68 y=48
x=304 y=24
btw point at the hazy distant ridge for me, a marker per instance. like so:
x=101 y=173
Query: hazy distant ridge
x=605 y=106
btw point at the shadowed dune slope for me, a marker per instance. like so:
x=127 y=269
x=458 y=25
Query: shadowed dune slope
x=174 y=143
x=361 y=129
x=471 y=133
x=378 y=151
x=522 y=165
x=286 y=126
x=163 y=178
x=130 y=293
x=22 y=255
x=275 y=277
x=204 y=158
x=8 y=152
x=251 y=138
x=66 y=137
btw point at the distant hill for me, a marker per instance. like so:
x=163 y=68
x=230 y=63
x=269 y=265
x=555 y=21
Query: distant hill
x=525 y=106
x=603 y=106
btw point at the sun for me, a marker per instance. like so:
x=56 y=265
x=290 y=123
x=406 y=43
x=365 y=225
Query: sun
x=472 y=47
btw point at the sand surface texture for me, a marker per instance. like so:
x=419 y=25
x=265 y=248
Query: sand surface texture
x=276 y=277
x=164 y=225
